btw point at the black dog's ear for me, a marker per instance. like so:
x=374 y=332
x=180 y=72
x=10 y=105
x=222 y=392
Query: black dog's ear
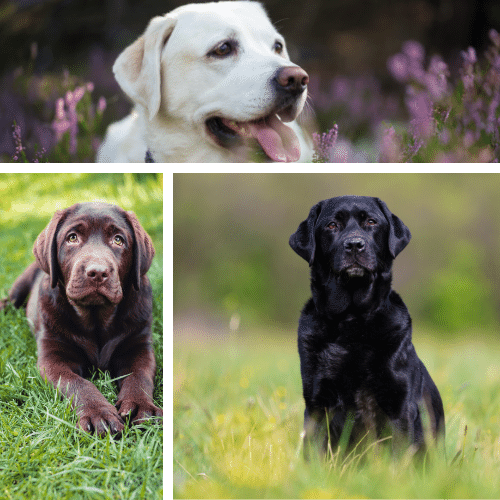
x=303 y=240
x=399 y=234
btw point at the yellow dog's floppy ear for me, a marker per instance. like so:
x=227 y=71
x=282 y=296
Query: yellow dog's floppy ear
x=138 y=68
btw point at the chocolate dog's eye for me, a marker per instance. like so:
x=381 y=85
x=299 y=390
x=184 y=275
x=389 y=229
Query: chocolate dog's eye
x=119 y=240
x=73 y=238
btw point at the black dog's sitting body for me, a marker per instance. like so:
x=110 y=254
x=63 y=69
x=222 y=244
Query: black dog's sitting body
x=358 y=363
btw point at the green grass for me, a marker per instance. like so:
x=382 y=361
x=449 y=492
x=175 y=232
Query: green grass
x=42 y=454
x=238 y=414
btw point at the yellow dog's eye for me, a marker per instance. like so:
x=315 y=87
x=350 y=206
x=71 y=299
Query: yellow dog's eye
x=72 y=238
x=278 y=47
x=118 y=240
x=223 y=50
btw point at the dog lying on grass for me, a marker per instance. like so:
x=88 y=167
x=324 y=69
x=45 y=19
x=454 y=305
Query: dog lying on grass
x=359 y=368
x=90 y=305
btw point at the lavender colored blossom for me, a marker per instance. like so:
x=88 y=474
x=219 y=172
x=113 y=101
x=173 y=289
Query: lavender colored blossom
x=20 y=151
x=414 y=50
x=469 y=56
x=66 y=118
x=390 y=147
x=422 y=122
x=436 y=78
x=398 y=67
x=16 y=135
x=494 y=37
x=101 y=105
x=324 y=143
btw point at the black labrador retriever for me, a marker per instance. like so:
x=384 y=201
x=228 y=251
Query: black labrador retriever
x=359 y=368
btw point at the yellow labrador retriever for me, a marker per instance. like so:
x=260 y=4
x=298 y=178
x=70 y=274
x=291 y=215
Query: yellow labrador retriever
x=211 y=82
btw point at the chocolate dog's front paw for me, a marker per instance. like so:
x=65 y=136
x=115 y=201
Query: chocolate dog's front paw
x=99 y=420
x=138 y=411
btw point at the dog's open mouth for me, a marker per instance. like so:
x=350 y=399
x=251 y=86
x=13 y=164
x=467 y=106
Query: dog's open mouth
x=279 y=142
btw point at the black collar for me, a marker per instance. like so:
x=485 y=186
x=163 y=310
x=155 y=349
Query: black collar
x=149 y=157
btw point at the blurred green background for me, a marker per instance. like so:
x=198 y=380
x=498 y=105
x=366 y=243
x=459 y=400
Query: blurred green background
x=234 y=270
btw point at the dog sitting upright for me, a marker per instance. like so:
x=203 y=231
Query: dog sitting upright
x=358 y=364
x=211 y=82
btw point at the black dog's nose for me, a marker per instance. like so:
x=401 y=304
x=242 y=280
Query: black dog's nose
x=354 y=244
x=292 y=79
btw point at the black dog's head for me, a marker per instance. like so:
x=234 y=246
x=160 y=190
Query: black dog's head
x=350 y=243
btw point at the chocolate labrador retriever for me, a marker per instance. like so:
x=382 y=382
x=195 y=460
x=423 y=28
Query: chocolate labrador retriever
x=90 y=305
x=360 y=372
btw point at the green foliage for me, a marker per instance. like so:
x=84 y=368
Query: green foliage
x=460 y=295
x=43 y=455
x=238 y=415
x=242 y=283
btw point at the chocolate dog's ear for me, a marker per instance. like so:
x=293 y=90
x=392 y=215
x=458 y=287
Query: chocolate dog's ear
x=45 y=247
x=143 y=250
x=303 y=241
x=399 y=234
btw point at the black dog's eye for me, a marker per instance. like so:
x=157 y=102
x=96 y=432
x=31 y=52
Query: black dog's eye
x=223 y=50
x=72 y=238
x=118 y=240
x=371 y=222
x=278 y=47
x=333 y=225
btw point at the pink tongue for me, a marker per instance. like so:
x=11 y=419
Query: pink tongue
x=278 y=141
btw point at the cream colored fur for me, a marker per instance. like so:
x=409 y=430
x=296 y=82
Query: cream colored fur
x=175 y=87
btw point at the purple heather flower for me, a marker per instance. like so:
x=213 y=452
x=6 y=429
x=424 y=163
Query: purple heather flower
x=60 y=114
x=398 y=67
x=78 y=94
x=444 y=136
x=390 y=151
x=436 y=78
x=468 y=82
x=16 y=135
x=469 y=56
x=323 y=143
x=414 y=50
x=101 y=105
x=494 y=37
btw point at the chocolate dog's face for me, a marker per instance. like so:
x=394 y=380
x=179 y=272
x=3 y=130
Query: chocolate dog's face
x=95 y=250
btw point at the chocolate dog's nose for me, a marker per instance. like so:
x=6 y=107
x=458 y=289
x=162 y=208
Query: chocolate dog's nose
x=97 y=273
x=292 y=79
x=356 y=244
